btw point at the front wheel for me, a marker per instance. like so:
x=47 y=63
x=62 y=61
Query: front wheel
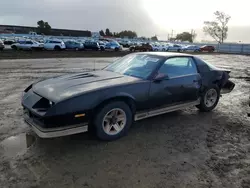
x=209 y=99
x=113 y=121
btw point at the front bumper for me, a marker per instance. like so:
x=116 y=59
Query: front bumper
x=55 y=132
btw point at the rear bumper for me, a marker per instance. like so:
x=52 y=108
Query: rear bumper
x=55 y=132
x=228 y=87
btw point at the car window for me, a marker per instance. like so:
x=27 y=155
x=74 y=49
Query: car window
x=178 y=66
x=29 y=42
x=140 y=65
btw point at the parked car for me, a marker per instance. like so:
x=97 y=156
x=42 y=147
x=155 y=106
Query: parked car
x=113 y=45
x=137 y=86
x=54 y=44
x=1 y=45
x=207 y=48
x=102 y=45
x=191 y=48
x=9 y=41
x=125 y=44
x=74 y=45
x=90 y=45
x=160 y=47
x=174 y=48
x=27 y=45
x=141 y=47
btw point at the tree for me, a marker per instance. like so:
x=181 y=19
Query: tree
x=185 y=36
x=108 y=33
x=218 y=28
x=154 y=38
x=127 y=33
x=43 y=27
x=102 y=33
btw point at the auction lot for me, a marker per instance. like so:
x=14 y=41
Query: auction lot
x=182 y=149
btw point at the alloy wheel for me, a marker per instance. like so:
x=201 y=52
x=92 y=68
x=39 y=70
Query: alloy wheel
x=114 y=121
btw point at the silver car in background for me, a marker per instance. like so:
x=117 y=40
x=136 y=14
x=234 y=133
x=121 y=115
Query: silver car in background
x=113 y=45
x=1 y=45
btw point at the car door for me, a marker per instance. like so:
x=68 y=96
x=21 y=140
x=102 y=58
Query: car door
x=22 y=45
x=181 y=83
x=28 y=44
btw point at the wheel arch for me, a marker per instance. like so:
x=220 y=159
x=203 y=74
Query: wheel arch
x=124 y=97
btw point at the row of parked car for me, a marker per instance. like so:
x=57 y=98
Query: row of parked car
x=57 y=44
x=101 y=44
x=171 y=47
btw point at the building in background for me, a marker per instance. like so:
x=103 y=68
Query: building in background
x=8 y=29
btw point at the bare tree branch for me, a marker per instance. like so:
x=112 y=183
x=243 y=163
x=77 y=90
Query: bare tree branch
x=217 y=29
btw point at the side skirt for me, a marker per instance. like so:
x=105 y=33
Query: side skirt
x=159 y=111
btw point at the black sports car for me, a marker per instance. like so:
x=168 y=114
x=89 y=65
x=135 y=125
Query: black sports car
x=137 y=86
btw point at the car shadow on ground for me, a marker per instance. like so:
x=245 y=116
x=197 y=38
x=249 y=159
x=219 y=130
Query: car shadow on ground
x=174 y=124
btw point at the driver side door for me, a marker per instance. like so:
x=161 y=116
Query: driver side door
x=181 y=83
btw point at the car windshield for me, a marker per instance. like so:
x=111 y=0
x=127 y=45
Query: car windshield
x=139 y=65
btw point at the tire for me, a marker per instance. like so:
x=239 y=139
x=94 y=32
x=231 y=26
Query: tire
x=76 y=49
x=108 y=110
x=205 y=104
x=116 y=49
x=102 y=48
x=57 y=48
x=14 y=47
x=178 y=50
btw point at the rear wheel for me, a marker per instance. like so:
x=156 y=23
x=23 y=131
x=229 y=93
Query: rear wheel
x=116 y=49
x=57 y=48
x=113 y=121
x=209 y=99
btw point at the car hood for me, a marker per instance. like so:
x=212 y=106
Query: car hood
x=66 y=86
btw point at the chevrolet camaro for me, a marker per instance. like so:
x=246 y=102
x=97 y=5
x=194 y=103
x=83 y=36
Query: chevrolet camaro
x=134 y=87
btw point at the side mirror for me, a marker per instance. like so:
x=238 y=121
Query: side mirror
x=159 y=77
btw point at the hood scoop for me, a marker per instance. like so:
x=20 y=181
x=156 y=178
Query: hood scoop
x=79 y=76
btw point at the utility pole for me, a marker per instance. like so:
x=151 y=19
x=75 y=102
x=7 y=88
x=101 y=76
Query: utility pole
x=193 y=34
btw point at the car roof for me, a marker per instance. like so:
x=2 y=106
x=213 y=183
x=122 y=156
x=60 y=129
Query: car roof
x=165 y=54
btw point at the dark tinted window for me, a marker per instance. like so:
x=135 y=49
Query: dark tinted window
x=178 y=66
x=29 y=42
x=56 y=42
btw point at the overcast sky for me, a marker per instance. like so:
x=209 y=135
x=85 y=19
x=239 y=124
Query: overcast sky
x=146 y=17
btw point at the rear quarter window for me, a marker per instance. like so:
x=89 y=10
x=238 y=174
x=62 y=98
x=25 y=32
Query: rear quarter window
x=202 y=66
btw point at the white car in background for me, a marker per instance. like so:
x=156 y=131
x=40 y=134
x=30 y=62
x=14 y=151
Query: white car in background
x=160 y=47
x=191 y=48
x=54 y=44
x=27 y=45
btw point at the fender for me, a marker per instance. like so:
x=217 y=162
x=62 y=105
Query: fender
x=111 y=96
